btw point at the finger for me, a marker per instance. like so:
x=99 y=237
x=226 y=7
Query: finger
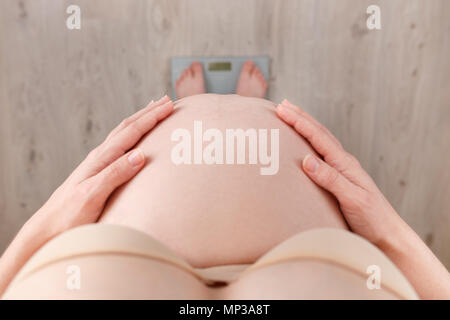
x=123 y=141
x=116 y=174
x=152 y=105
x=130 y=135
x=332 y=153
x=301 y=112
x=328 y=178
x=324 y=142
x=321 y=142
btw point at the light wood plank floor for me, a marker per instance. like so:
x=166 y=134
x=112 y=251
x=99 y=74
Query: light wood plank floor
x=385 y=94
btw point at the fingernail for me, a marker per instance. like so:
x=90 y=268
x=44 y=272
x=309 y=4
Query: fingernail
x=136 y=158
x=310 y=163
x=163 y=98
x=288 y=105
x=164 y=107
x=285 y=111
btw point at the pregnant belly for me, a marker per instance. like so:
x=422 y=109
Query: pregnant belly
x=218 y=195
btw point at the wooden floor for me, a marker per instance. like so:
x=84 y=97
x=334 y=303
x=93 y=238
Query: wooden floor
x=385 y=94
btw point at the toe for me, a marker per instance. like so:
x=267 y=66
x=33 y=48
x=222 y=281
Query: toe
x=262 y=79
x=248 y=66
x=190 y=72
x=185 y=73
x=258 y=74
x=196 y=67
x=180 y=78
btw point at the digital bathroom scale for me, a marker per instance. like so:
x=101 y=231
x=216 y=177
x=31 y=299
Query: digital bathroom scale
x=221 y=73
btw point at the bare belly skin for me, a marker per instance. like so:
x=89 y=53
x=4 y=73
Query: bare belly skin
x=216 y=214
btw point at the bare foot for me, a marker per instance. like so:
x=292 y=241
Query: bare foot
x=191 y=81
x=251 y=81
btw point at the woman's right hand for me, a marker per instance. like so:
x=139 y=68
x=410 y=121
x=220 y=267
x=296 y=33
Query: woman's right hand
x=81 y=198
x=364 y=207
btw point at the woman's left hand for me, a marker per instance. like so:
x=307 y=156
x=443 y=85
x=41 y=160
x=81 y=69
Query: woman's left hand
x=366 y=210
x=364 y=207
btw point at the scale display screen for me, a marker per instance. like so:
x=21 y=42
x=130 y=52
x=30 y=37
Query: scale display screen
x=219 y=66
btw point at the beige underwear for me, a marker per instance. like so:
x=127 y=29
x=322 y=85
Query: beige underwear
x=333 y=246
